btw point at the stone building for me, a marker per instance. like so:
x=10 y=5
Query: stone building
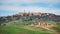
x=43 y=24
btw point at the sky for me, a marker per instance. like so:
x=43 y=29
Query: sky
x=10 y=7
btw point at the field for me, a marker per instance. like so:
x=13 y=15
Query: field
x=23 y=27
x=15 y=30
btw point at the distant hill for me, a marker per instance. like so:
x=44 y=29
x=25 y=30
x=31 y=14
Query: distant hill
x=31 y=16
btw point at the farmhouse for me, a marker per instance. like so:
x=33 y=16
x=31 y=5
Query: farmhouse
x=43 y=24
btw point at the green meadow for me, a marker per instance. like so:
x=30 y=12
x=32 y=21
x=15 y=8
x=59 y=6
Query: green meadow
x=15 y=30
x=21 y=27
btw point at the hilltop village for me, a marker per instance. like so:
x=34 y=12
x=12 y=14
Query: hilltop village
x=37 y=16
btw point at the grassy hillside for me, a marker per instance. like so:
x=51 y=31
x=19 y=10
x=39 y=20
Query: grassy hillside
x=15 y=30
x=23 y=27
x=57 y=28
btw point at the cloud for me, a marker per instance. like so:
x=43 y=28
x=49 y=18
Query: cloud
x=31 y=9
x=48 y=6
x=56 y=5
x=38 y=3
x=30 y=1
